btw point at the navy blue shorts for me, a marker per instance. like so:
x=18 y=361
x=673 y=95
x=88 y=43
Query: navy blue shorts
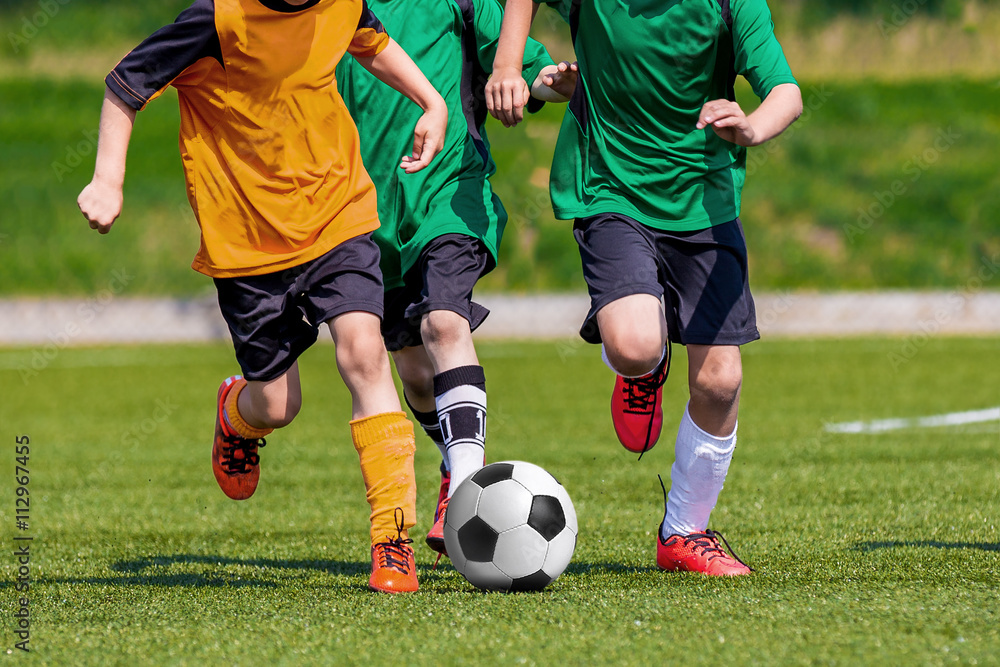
x=443 y=279
x=275 y=317
x=700 y=275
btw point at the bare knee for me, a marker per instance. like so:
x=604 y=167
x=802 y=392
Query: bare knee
x=717 y=385
x=633 y=352
x=444 y=329
x=362 y=359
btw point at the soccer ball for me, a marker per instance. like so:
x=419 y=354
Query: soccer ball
x=510 y=527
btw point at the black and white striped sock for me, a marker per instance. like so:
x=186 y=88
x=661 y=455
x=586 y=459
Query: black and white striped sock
x=460 y=396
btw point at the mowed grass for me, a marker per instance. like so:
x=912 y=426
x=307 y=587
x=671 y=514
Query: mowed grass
x=869 y=548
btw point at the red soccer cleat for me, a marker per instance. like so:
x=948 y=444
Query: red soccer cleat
x=435 y=537
x=234 y=458
x=635 y=407
x=698 y=552
x=393 y=567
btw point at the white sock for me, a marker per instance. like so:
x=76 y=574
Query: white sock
x=607 y=362
x=696 y=478
x=460 y=397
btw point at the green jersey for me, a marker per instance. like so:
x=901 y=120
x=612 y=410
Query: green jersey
x=453 y=42
x=628 y=142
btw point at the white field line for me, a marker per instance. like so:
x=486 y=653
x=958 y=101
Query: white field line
x=949 y=419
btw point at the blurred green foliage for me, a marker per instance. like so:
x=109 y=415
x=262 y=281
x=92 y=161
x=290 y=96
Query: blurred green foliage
x=880 y=184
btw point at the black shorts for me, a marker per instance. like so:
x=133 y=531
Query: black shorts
x=700 y=275
x=442 y=279
x=275 y=317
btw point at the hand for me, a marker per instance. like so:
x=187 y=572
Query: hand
x=506 y=96
x=428 y=138
x=556 y=83
x=728 y=121
x=101 y=204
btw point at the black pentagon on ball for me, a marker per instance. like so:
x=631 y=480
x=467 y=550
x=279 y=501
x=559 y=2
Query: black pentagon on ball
x=478 y=540
x=547 y=516
x=532 y=582
x=493 y=473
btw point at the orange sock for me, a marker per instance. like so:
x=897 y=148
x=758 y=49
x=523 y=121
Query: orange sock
x=235 y=419
x=385 y=446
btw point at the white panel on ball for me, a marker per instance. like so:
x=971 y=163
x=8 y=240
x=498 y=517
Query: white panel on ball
x=560 y=552
x=520 y=551
x=534 y=478
x=463 y=504
x=487 y=575
x=504 y=505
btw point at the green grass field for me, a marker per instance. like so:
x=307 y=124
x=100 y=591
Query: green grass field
x=870 y=549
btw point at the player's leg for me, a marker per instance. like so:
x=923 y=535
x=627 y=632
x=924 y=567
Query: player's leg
x=268 y=336
x=712 y=310
x=383 y=438
x=621 y=269
x=460 y=402
x=344 y=289
x=416 y=372
x=435 y=317
x=459 y=391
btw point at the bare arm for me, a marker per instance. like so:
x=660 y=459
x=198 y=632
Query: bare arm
x=781 y=107
x=394 y=68
x=506 y=92
x=101 y=201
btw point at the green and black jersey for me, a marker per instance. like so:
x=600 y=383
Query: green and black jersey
x=628 y=143
x=453 y=42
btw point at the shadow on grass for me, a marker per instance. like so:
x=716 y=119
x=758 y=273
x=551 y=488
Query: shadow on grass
x=872 y=546
x=148 y=572
x=442 y=579
x=329 y=566
x=138 y=572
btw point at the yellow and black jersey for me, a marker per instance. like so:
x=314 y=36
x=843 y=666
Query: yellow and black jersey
x=271 y=156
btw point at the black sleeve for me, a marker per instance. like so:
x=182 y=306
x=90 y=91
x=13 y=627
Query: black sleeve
x=152 y=65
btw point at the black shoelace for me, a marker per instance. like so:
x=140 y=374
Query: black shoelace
x=249 y=446
x=708 y=543
x=640 y=393
x=396 y=551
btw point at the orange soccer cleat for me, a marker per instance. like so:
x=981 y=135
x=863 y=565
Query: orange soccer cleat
x=698 y=552
x=435 y=537
x=234 y=458
x=635 y=407
x=393 y=567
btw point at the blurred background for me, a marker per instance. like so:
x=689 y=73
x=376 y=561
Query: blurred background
x=891 y=178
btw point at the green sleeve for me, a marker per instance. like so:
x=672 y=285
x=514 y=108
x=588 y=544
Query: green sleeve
x=759 y=57
x=488 y=18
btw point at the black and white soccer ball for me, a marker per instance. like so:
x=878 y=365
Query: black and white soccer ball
x=510 y=527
